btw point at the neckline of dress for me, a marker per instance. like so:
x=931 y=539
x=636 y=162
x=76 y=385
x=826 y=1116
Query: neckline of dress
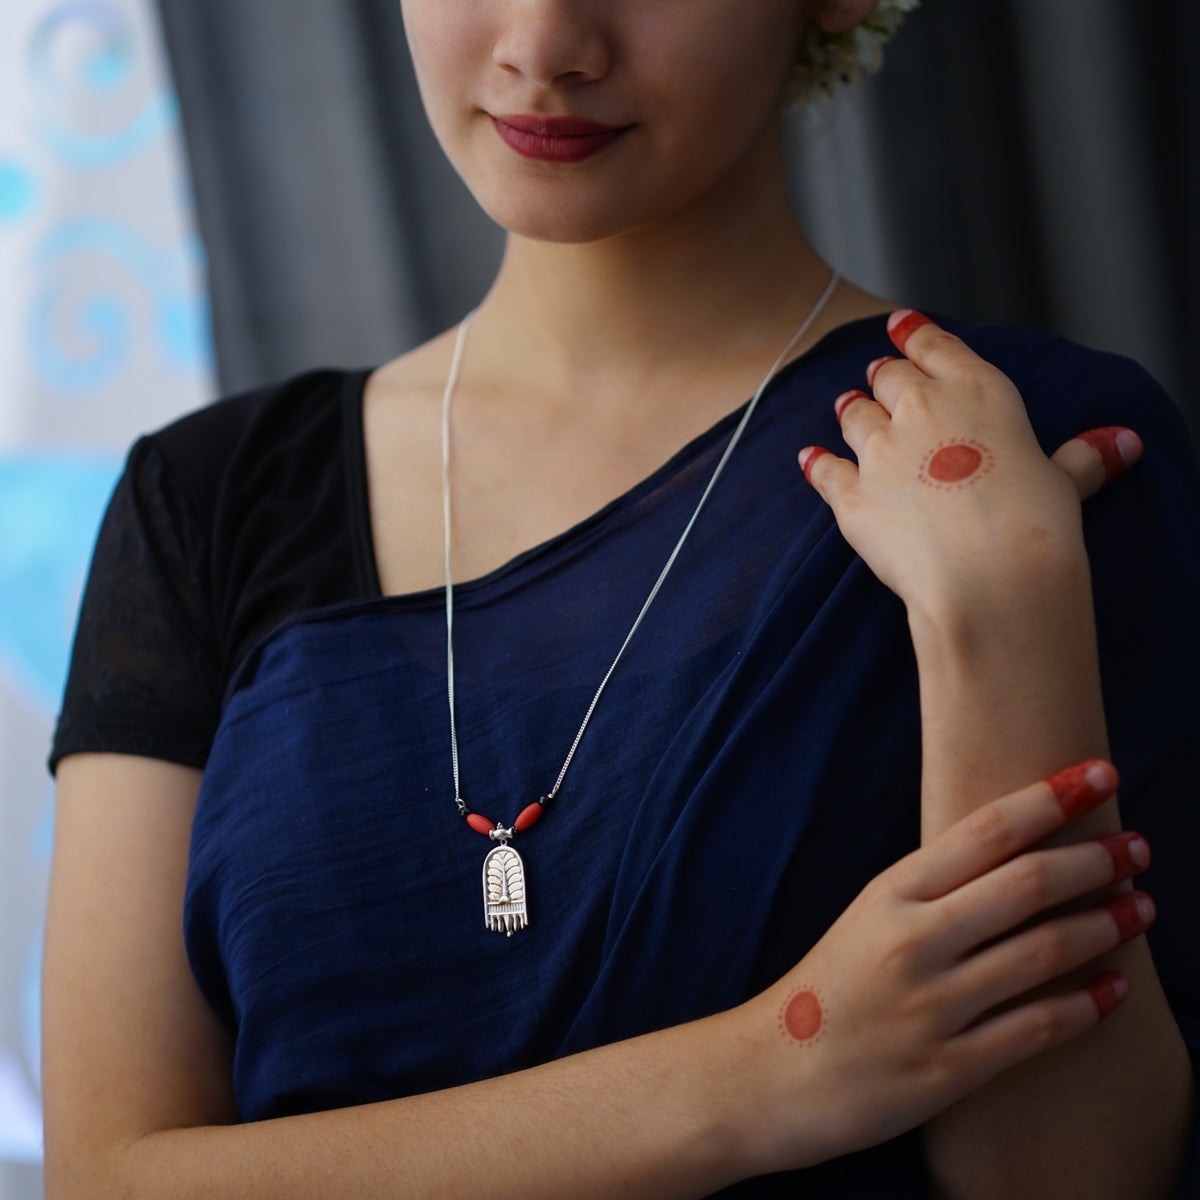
x=359 y=497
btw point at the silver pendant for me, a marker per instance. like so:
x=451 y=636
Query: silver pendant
x=504 y=909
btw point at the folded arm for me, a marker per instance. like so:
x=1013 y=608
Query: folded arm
x=881 y=1026
x=137 y=1069
x=954 y=507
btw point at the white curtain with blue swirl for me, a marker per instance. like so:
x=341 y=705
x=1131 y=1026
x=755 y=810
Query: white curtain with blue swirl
x=104 y=333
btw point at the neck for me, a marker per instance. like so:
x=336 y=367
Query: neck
x=723 y=280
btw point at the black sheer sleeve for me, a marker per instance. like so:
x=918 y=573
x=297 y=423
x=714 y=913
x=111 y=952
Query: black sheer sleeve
x=144 y=677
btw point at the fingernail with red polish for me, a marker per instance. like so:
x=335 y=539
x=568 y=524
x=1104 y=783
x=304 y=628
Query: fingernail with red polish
x=1081 y=788
x=808 y=457
x=1130 y=853
x=845 y=400
x=1133 y=912
x=873 y=368
x=903 y=323
x=1108 y=991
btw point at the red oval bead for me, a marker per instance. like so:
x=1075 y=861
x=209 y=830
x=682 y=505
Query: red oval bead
x=480 y=824
x=528 y=817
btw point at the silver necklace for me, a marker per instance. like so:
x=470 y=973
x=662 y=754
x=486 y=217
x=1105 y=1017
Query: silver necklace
x=505 y=903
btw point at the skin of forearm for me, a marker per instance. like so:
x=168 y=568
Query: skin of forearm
x=659 y=1116
x=1005 y=701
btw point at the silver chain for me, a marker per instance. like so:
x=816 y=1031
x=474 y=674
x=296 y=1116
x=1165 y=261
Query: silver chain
x=451 y=384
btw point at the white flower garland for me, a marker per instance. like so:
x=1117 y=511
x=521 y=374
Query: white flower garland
x=829 y=60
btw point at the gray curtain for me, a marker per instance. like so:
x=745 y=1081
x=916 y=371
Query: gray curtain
x=1024 y=161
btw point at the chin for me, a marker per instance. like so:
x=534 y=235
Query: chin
x=561 y=230
x=564 y=220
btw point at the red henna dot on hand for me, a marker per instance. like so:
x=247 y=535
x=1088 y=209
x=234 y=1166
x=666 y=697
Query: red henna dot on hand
x=802 y=1018
x=953 y=464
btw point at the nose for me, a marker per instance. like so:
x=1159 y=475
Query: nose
x=553 y=41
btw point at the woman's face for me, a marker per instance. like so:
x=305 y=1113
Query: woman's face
x=681 y=94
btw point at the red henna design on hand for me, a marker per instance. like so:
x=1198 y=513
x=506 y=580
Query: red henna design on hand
x=903 y=323
x=844 y=401
x=1081 y=788
x=1133 y=912
x=1104 y=442
x=1130 y=854
x=802 y=1016
x=808 y=459
x=1108 y=991
x=952 y=466
x=873 y=367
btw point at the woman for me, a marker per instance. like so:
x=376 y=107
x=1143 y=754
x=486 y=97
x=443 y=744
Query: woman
x=696 y=789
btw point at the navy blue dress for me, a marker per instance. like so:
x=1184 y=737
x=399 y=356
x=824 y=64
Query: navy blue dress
x=753 y=763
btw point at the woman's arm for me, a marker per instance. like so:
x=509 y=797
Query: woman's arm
x=875 y=1031
x=1109 y=1114
x=137 y=1069
x=994 y=574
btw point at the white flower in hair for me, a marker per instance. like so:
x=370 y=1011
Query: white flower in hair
x=829 y=60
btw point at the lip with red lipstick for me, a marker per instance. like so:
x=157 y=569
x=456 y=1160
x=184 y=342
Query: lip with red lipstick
x=556 y=139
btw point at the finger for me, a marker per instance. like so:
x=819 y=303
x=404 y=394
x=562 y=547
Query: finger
x=829 y=475
x=1011 y=1037
x=995 y=832
x=889 y=377
x=860 y=416
x=934 y=350
x=1095 y=458
x=902 y=324
x=875 y=364
x=845 y=401
x=1048 y=951
x=1030 y=884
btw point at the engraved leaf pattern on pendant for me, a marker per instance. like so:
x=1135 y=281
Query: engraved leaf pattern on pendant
x=506 y=879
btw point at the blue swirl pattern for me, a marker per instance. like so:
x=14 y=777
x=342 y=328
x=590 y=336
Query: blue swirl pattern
x=106 y=69
x=98 y=251
x=78 y=295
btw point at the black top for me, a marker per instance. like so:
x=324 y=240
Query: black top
x=222 y=525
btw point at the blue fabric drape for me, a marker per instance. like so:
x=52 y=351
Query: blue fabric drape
x=753 y=763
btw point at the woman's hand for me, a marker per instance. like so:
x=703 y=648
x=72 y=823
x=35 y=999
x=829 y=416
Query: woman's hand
x=918 y=993
x=952 y=501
